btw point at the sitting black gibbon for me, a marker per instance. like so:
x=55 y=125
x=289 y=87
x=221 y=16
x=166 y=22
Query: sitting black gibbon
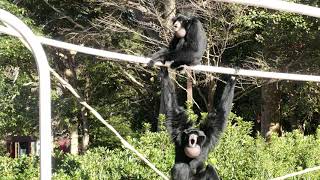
x=187 y=45
x=192 y=145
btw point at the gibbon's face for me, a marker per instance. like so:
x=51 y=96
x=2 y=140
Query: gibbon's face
x=193 y=143
x=179 y=29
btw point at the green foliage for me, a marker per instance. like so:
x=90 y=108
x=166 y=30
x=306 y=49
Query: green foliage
x=12 y=50
x=102 y=136
x=303 y=97
x=240 y=156
x=131 y=43
x=237 y=156
x=162 y=119
x=6 y=5
x=19 y=168
x=18 y=103
x=191 y=115
x=19 y=114
x=283 y=42
x=101 y=163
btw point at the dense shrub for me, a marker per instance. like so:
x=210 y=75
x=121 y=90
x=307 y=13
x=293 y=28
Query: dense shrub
x=238 y=156
x=20 y=168
x=101 y=163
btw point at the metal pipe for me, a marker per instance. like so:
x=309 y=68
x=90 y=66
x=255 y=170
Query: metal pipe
x=44 y=90
x=198 y=68
x=280 y=5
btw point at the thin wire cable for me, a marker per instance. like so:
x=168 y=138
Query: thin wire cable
x=297 y=173
x=198 y=68
x=97 y=115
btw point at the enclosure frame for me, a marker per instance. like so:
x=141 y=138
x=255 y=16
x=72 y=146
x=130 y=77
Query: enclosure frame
x=15 y=27
x=34 y=45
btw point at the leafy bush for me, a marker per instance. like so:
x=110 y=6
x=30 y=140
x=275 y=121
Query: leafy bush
x=19 y=168
x=237 y=156
x=240 y=156
x=102 y=163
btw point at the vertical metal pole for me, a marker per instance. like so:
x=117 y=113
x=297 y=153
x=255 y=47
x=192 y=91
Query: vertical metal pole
x=44 y=90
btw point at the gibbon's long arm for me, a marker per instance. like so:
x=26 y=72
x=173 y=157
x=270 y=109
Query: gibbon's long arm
x=216 y=121
x=176 y=118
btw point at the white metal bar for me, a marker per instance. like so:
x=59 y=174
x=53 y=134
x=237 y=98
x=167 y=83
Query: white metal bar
x=44 y=89
x=92 y=51
x=253 y=73
x=317 y=168
x=212 y=69
x=280 y=5
x=203 y=68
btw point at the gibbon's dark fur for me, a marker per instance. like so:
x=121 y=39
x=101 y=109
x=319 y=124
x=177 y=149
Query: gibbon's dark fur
x=187 y=50
x=180 y=129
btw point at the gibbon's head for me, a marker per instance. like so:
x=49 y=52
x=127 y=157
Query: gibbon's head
x=180 y=24
x=193 y=139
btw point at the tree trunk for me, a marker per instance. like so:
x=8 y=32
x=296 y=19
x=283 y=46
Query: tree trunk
x=211 y=85
x=85 y=129
x=189 y=87
x=74 y=133
x=84 y=117
x=74 y=138
x=169 y=11
x=270 y=110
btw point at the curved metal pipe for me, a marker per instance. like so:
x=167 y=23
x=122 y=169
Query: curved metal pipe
x=44 y=89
